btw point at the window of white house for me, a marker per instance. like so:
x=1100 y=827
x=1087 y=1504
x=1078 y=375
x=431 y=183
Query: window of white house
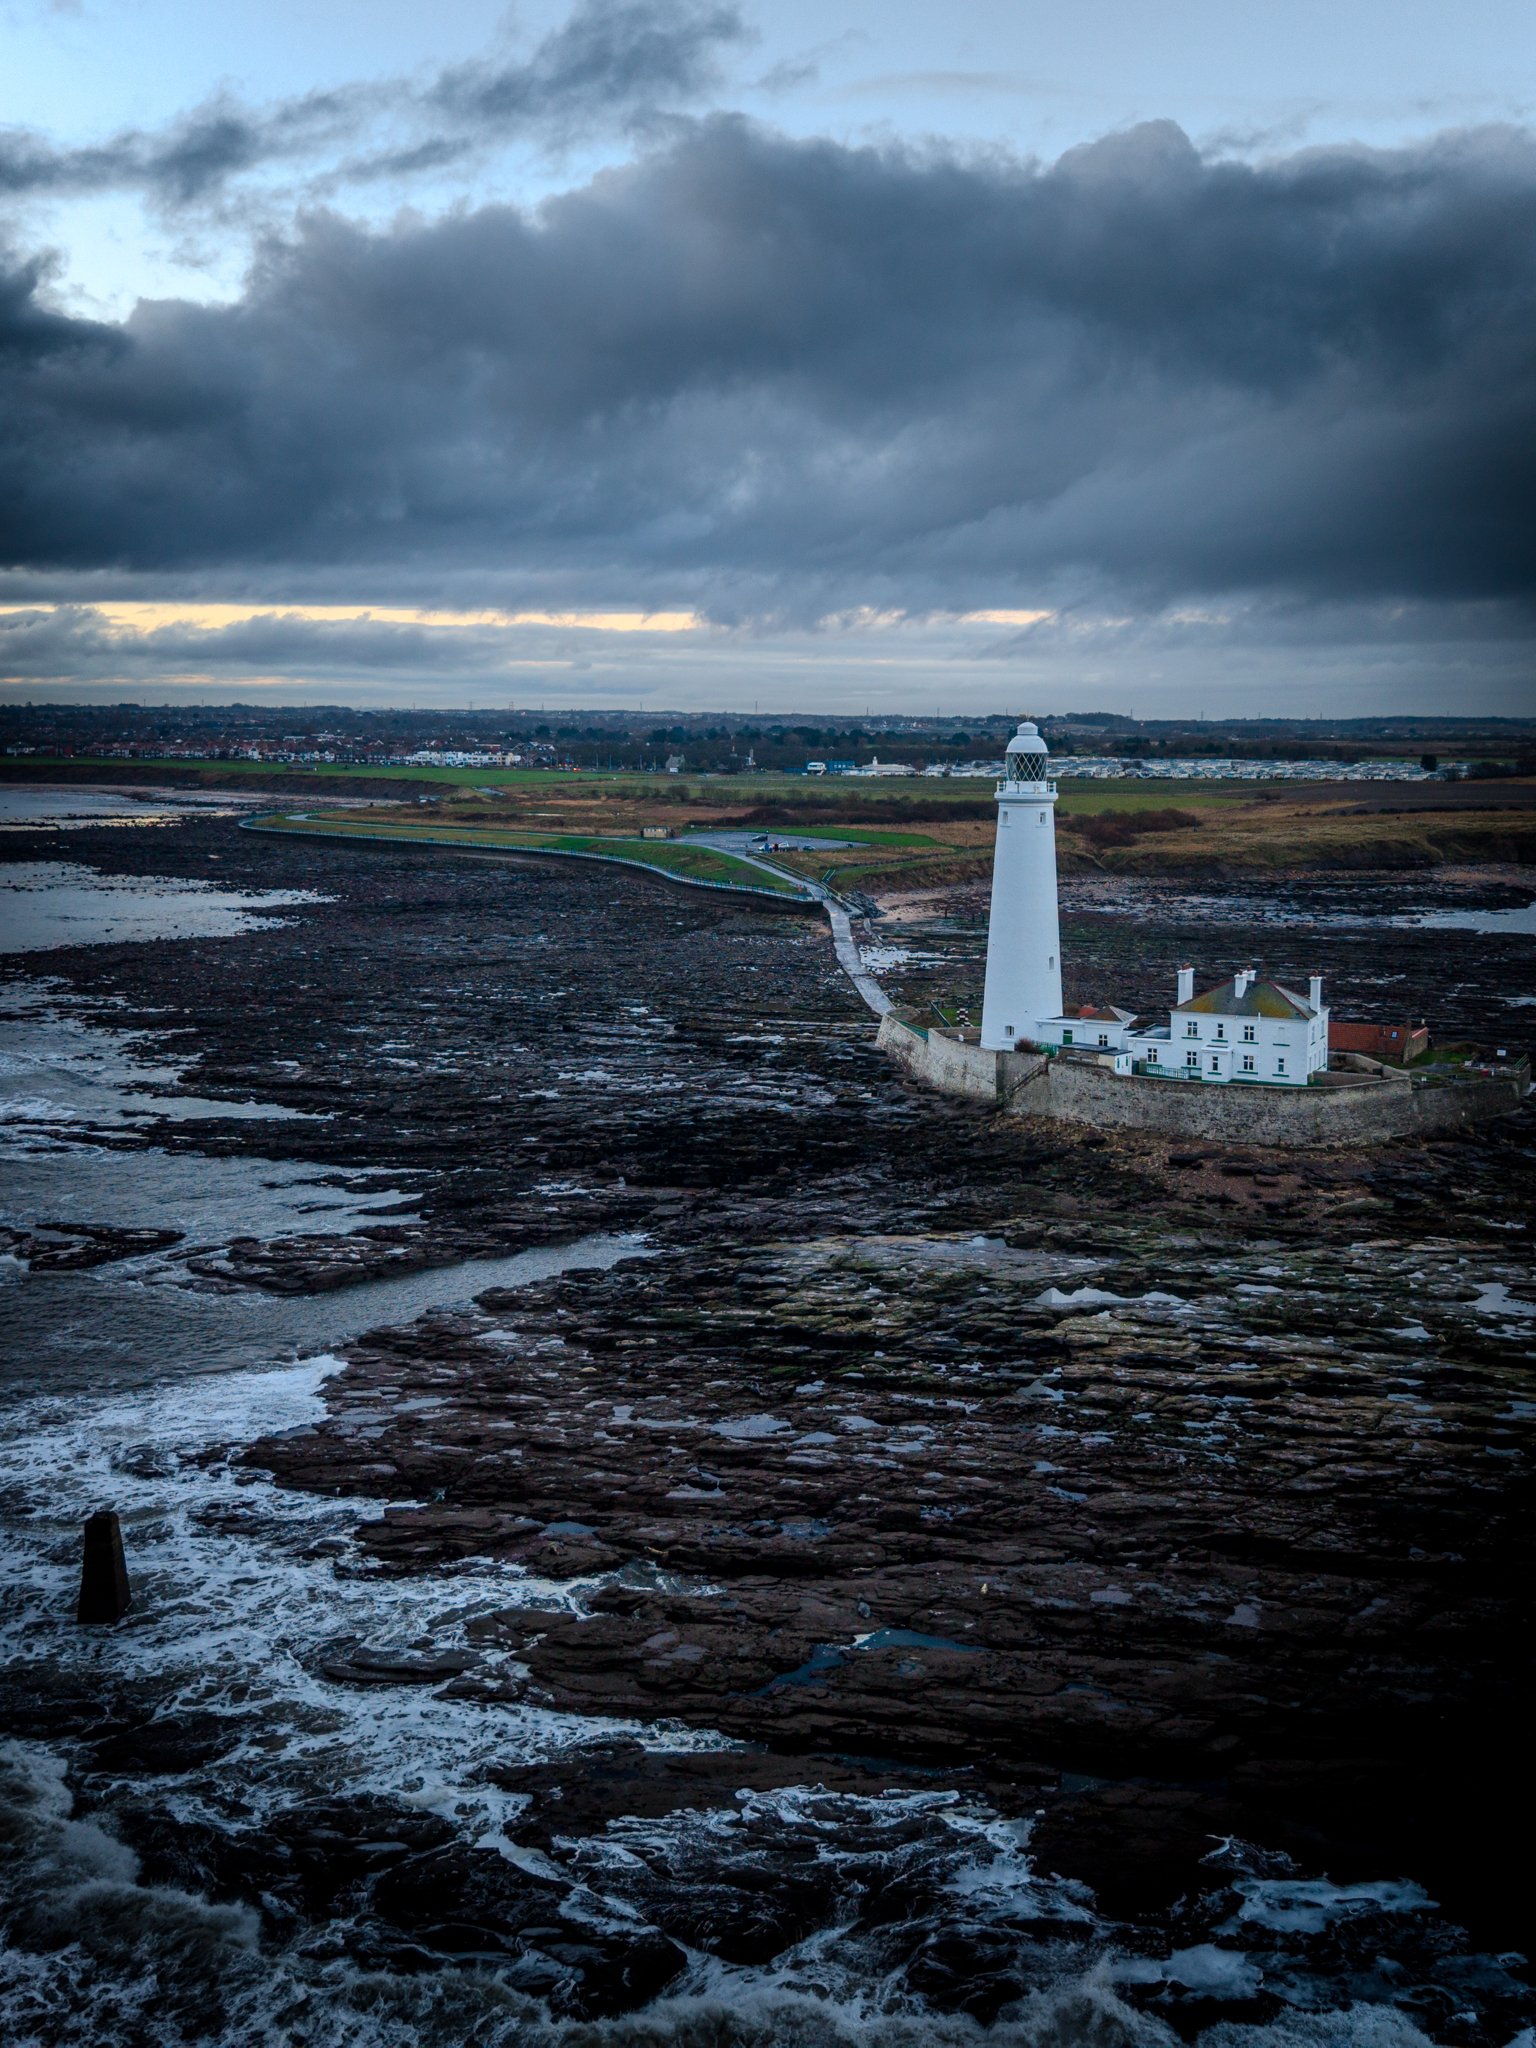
x=1191 y=1059
x=1279 y=1066
x=1191 y=1030
x=1215 y=1066
x=1221 y=1030
x=1249 y=1034
x=1007 y=1031
x=1042 y=817
x=1248 y=1062
x=1103 y=1038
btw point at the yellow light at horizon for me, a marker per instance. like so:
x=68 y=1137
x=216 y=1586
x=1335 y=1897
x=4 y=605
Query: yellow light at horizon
x=129 y=617
x=144 y=615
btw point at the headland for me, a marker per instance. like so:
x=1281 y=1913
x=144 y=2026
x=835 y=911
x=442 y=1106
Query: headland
x=926 y=1480
x=1244 y=1060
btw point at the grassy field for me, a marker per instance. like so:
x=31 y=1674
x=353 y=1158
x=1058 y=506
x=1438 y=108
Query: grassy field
x=711 y=790
x=909 y=833
x=861 y=835
x=1298 y=837
x=691 y=863
x=1088 y=799
x=800 y=795
x=1212 y=831
x=1207 y=829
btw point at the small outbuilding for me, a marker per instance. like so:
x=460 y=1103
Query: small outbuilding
x=1399 y=1042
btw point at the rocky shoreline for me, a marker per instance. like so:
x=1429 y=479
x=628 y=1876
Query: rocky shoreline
x=1236 y=1521
x=1159 y=1498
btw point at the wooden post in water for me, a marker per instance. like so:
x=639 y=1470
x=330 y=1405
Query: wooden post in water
x=104 y=1592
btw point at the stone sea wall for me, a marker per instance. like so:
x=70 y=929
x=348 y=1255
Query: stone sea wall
x=1365 y=1115
x=955 y=1067
x=1073 y=1091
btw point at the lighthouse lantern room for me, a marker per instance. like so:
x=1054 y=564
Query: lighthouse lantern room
x=1024 y=933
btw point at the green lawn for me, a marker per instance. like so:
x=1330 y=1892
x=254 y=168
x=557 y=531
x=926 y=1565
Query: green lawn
x=804 y=795
x=859 y=835
x=692 y=863
x=1083 y=799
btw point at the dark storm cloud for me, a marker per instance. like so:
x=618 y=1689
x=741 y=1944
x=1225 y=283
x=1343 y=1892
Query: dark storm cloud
x=78 y=641
x=785 y=377
x=611 y=53
x=29 y=332
x=610 y=61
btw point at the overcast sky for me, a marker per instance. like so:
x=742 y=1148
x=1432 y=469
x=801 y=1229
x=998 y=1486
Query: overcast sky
x=1059 y=353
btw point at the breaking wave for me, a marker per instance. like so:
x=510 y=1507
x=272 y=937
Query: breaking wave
x=910 y=1920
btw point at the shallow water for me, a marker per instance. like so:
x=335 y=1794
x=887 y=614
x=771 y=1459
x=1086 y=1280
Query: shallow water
x=1520 y=922
x=1366 y=906
x=222 y=1561
x=48 y=904
x=238 y=1590
x=58 y=1179
x=63 y=1066
x=66 y=809
x=140 y=1322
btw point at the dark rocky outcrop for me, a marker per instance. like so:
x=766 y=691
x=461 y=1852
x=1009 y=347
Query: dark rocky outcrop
x=1147 y=1498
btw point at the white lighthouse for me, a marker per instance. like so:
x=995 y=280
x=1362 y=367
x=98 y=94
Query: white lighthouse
x=1024 y=935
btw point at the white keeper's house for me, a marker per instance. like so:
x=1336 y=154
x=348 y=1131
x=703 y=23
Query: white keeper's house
x=1243 y=1029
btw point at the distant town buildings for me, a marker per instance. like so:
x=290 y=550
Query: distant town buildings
x=1106 y=768
x=1089 y=745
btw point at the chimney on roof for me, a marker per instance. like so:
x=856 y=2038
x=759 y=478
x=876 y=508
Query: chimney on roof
x=1186 y=984
x=1242 y=981
x=1315 y=992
